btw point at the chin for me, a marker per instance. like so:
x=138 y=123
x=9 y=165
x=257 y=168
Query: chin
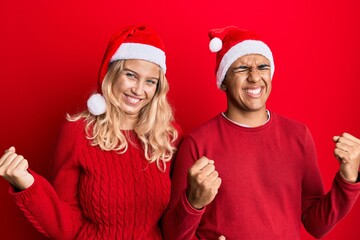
x=131 y=112
x=257 y=108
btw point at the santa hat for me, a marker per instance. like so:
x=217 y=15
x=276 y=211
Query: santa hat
x=134 y=42
x=231 y=43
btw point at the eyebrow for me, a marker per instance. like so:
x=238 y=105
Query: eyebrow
x=241 y=66
x=126 y=69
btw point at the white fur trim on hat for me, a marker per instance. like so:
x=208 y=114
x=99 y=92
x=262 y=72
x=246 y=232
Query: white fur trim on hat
x=241 y=49
x=96 y=104
x=215 y=44
x=140 y=51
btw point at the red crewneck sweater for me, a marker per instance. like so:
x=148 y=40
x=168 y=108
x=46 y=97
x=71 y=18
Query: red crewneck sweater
x=97 y=194
x=270 y=184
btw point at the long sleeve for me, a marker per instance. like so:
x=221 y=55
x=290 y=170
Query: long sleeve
x=181 y=220
x=54 y=209
x=271 y=184
x=321 y=212
x=96 y=194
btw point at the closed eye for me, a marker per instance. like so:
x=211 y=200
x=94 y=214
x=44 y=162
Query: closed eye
x=263 y=67
x=241 y=69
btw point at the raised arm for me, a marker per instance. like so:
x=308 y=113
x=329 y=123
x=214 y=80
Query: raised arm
x=52 y=209
x=321 y=212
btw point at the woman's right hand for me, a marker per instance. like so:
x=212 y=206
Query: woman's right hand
x=13 y=168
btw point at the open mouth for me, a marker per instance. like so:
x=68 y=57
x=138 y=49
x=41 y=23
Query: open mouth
x=253 y=91
x=132 y=100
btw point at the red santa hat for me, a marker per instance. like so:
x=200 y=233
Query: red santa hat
x=134 y=42
x=231 y=43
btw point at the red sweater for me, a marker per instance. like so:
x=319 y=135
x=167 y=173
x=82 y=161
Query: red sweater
x=270 y=184
x=97 y=194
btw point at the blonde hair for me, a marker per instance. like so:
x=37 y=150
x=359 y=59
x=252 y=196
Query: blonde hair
x=154 y=128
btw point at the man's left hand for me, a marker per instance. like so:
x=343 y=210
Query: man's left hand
x=347 y=151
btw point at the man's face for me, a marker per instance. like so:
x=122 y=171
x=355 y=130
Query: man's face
x=248 y=84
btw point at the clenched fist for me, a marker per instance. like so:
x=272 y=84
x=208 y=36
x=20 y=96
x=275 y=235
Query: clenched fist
x=347 y=151
x=13 y=168
x=203 y=183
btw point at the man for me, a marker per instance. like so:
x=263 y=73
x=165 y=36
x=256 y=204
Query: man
x=250 y=173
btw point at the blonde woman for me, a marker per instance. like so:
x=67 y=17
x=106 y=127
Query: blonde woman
x=111 y=165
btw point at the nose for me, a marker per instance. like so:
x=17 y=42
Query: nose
x=254 y=75
x=138 y=88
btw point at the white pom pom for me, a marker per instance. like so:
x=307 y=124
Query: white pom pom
x=96 y=104
x=215 y=44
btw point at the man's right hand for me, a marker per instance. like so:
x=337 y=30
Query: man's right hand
x=203 y=183
x=13 y=168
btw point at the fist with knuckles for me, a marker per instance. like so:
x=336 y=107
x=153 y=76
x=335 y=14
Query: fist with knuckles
x=203 y=183
x=347 y=151
x=13 y=168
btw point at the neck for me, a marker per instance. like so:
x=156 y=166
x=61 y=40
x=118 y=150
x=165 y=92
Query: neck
x=129 y=123
x=248 y=118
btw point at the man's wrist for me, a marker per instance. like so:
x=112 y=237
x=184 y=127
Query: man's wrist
x=351 y=181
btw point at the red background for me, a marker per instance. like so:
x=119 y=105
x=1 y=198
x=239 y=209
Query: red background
x=51 y=52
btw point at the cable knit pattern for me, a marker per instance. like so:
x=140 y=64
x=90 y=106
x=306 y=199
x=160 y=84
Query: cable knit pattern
x=97 y=194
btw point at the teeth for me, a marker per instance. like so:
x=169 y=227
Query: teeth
x=133 y=100
x=253 y=91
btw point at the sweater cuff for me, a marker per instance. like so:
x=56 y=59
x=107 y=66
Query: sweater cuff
x=189 y=208
x=30 y=192
x=347 y=185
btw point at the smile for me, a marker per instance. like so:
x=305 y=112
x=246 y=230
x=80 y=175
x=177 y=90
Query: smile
x=132 y=99
x=253 y=91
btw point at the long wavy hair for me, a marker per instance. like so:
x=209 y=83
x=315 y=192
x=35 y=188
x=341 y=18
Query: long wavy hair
x=154 y=127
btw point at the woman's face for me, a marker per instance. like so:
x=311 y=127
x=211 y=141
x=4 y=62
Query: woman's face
x=136 y=85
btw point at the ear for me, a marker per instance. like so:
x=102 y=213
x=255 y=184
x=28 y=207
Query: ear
x=222 y=86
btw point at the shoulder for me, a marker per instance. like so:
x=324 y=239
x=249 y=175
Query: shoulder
x=286 y=122
x=291 y=127
x=207 y=128
x=72 y=131
x=74 y=125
